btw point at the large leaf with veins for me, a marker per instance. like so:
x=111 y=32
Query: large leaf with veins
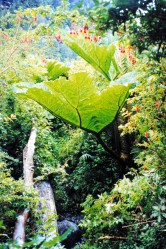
x=77 y=100
x=98 y=56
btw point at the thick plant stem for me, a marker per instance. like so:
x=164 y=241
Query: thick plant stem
x=113 y=154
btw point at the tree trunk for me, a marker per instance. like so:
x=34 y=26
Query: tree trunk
x=47 y=208
x=19 y=232
x=28 y=169
x=28 y=164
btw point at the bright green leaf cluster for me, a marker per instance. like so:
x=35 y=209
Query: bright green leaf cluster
x=100 y=57
x=78 y=101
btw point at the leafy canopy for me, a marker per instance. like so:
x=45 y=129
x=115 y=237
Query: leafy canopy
x=77 y=99
x=144 y=20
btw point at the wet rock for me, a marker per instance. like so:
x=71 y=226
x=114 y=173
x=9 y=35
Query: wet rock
x=73 y=236
x=70 y=217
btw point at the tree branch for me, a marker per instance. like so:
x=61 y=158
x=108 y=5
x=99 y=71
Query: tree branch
x=115 y=238
x=140 y=223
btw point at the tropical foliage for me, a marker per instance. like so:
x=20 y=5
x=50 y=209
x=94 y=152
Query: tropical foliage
x=94 y=74
x=144 y=20
x=69 y=98
x=137 y=202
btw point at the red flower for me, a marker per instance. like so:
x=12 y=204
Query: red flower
x=95 y=39
x=5 y=36
x=25 y=40
x=133 y=61
x=35 y=18
x=137 y=108
x=122 y=50
x=86 y=27
x=146 y=134
x=157 y=104
x=58 y=37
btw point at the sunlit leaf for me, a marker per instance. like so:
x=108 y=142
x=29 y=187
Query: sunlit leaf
x=127 y=78
x=78 y=100
x=99 y=57
x=55 y=69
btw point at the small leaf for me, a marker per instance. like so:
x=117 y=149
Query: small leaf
x=55 y=69
x=128 y=78
x=164 y=215
x=156 y=208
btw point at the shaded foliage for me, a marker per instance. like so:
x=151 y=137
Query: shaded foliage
x=86 y=171
x=120 y=212
x=135 y=208
x=145 y=21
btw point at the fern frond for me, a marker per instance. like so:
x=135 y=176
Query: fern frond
x=123 y=63
x=85 y=156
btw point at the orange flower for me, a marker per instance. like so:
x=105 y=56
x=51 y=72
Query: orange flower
x=146 y=134
x=157 y=104
x=5 y=36
x=95 y=39
x=44 y=61
x=133 y=61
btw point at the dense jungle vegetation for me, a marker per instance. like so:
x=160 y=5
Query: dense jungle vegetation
x=89 y=77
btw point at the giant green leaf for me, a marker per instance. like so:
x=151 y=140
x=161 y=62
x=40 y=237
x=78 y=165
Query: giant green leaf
x=77 y=100
x=100 y=57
